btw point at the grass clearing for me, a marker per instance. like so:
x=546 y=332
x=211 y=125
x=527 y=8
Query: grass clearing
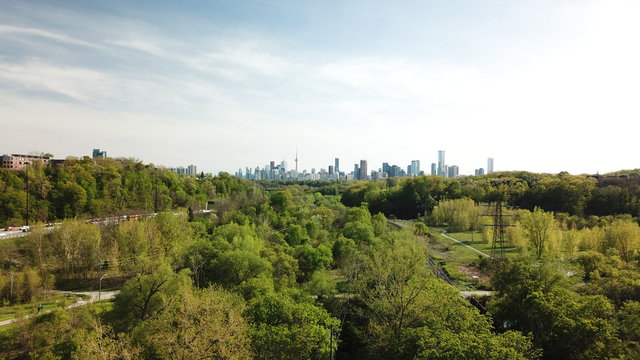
x=53 y=300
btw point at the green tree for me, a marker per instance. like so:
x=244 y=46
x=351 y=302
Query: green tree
x=287 y=328
x=563 y=324
x=147 y=296
x=539 y=227
x=207 y=324
x=623 y=235
x=457 y=214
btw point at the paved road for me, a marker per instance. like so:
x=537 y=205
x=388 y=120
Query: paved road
x=443 y=233
x=104 y=295
x=478 y=293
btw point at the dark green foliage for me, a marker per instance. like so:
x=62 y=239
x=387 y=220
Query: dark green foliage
x=105 y=186
x=563 y=324
x=408 y=198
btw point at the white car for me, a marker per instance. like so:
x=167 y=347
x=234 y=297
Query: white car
x=25 y=228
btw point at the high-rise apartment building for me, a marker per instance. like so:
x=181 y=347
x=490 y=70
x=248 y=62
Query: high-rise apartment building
x=452 y=171
x=363 y=170
x=385 y=167
x=415 y=168
x=441 y=164
x=337 y=166
x=434 y=169
x=489 y=165
x=330 y=169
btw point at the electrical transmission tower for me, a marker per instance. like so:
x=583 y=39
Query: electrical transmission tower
x=498 y=244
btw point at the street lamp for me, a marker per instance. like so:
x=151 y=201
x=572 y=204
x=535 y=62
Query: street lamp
x=100 y=286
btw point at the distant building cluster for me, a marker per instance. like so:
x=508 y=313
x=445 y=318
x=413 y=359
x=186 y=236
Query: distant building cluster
x=480 y=171
x=190 y=170
x=274 y=171
x=99 y=154
x=442 y=169
x=20 y=161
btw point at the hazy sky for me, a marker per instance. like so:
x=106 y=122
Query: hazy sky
x=538 y=85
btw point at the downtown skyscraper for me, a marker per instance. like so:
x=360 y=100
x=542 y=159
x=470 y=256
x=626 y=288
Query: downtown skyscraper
x=442 y=171
x=363 y=170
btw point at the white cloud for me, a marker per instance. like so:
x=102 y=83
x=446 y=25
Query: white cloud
x=240 y=99
x=77 y=83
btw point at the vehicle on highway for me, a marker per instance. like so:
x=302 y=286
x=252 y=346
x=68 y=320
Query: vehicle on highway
x=9 y=228
x=49 y=225
x=25 y=228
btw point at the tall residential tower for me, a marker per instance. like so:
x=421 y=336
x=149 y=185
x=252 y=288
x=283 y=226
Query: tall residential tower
x=441 y=170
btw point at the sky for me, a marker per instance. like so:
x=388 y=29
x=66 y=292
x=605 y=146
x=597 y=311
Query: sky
x=544 y=86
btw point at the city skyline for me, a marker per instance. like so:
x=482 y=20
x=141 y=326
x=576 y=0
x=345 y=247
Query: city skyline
x=361 y=170
x=543 y=87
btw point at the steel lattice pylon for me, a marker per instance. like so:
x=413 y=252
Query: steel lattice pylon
x=498 y=243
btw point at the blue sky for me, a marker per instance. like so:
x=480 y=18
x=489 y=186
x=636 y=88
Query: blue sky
x=543 y=86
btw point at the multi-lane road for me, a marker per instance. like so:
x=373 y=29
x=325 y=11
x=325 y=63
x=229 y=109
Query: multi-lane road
x=17 y=232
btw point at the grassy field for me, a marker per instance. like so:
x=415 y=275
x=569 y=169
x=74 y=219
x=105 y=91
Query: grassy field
x=462 y=254
x=53 y=301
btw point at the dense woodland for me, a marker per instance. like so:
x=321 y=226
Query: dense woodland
x=290 y=271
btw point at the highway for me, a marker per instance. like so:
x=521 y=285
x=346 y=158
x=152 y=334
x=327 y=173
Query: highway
x=96 y=221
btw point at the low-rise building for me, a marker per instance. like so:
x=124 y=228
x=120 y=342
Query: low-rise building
x=20 y=161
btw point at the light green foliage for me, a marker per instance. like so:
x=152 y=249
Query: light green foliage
x=591 y=238
x=441 y=344
x=321 y=284
x=77 y=246
x=420 y=229
x=379 y=223
x=412 y=315
x=358 y=226
x=99 y=342
x=238 y=257
x=459 y=214
x=624 y=236
x=207 y=324
x=539 y=227
x=236 y=266
x=54 y=335
x=176 y=236
x=285 y=266
x=135 y=244
x=344 y=250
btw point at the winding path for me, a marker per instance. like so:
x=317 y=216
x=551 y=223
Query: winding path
x=104 y=295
